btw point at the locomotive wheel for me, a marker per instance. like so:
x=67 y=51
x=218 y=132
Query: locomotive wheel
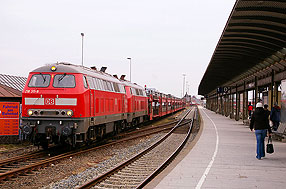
x=119 y=127
x=133 y=123
x=88 y=142
x=101 y=132
x=116 y=128
x=123 y=125
x=74 y=141
x=45 y=145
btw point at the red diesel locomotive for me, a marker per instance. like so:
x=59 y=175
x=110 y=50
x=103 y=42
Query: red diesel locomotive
x=71 y=104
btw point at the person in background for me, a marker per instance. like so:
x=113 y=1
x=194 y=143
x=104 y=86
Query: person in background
x=260 y=123
x=275 y=116
x=250 y=108
x=266 y=109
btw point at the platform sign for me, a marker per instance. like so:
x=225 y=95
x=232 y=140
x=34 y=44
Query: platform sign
x=9 y=118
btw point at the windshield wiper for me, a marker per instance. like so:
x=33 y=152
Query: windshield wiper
x=44 y=78
x=62 y=77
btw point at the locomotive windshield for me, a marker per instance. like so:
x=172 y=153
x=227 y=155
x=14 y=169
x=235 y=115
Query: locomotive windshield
x=64 y=81
x=40 y=80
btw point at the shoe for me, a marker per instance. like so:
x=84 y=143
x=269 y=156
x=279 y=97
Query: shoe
x=258 y=158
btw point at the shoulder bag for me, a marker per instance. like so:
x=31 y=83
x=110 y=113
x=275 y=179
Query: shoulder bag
x=269 y=146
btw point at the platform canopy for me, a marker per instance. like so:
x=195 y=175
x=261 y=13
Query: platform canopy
x=253 y=38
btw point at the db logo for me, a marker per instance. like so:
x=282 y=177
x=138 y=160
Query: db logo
x=49 y=101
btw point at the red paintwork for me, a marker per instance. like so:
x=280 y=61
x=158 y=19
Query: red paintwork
x=135 y=103
x=96 y=112
x=102 y=103
x=155 y=97
x=50 y=92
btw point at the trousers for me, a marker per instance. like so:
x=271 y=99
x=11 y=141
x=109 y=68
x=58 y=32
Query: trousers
x=275 y=125
x=260 y=147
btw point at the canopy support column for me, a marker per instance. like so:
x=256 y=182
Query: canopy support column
x=237 y=104
x=255 y=92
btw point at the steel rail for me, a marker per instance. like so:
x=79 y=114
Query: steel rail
x=146 y=129
x=169 y=160
x=100 y=178
x=143 y=129
x=25 y=157
x=21 y=158
x=47 y=162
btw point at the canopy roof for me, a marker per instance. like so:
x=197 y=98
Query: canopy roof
x=15 y=82
x=6 y=91
x=254 y=32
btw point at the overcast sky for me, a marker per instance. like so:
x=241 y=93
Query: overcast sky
x=164 y=38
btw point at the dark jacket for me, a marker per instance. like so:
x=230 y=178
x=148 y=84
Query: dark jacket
x=275 y=114
x=267 y=113
x=259 y=120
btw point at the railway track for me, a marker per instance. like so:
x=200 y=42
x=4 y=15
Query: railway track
x=152 y=128
x=19 y=161
x=167 y=125
x=143 y=167
x=25 y=164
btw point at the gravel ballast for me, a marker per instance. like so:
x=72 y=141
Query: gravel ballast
x=76 y=170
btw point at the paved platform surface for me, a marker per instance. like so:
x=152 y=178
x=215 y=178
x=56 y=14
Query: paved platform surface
x=224 y=157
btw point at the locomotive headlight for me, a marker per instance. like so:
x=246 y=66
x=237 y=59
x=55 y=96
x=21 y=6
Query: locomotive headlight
x=30 y=112
x=53 y=68
x=69 y=113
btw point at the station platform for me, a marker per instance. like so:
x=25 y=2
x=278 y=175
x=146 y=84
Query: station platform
x=224 y=157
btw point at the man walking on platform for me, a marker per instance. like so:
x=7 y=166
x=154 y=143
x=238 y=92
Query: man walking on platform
x=260 y=123
x=275 y=116
x=250 y=108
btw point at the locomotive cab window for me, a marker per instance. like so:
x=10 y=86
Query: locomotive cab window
x=40 y=80
x=64 y=81
x=85 y=82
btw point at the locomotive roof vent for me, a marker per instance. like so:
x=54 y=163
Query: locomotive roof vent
x=122 y=77
x=102 y=69
x=64 y=63
x=115 y=76
x=93 y=68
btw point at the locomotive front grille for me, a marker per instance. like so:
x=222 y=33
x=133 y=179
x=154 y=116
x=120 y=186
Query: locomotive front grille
x=50 y=113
